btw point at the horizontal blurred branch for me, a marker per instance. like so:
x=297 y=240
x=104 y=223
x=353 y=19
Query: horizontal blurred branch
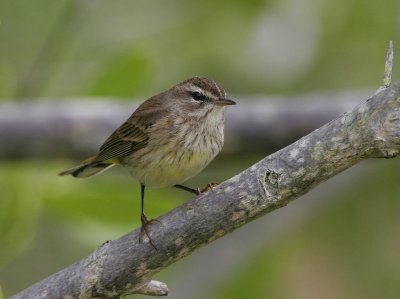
x=76 y=128
x=125 y=266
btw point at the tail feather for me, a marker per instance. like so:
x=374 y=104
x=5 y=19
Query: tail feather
x=88 y=168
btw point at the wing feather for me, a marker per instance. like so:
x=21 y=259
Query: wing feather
x=123 y=142
x=134 y=133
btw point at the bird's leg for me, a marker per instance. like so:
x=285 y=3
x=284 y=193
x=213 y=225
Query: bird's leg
x=197 y=191
x=187 y=189
x=145 y=221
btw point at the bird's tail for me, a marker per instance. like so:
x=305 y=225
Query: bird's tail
x=88 y=168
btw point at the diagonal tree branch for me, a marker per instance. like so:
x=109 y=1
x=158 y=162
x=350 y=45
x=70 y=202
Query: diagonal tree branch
x=124 y=266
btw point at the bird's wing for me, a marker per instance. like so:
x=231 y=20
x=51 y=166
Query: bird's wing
x=134 y=133
x=123 y=142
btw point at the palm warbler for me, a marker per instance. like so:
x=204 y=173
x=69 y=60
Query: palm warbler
x=168 y=139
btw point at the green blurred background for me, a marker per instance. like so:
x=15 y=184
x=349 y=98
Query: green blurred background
x=342 y=240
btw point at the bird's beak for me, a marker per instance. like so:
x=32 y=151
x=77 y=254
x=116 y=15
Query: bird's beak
x=224 y=102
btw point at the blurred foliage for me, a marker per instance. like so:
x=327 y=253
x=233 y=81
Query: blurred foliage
x=136 y=67
x=133 y=48
x=68 y=48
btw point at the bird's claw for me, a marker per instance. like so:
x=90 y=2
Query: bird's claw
x=143 y=230
x=208 y=187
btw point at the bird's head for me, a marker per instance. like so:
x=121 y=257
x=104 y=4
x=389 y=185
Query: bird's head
x=199 y=96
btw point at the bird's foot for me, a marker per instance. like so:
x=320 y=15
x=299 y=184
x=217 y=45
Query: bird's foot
x=209 y=187
x=144 y=229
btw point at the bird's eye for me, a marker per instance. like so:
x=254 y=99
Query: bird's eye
x=198 y=96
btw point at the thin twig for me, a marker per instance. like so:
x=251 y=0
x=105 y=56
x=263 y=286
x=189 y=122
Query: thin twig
x=387 y=76
x=387 y=79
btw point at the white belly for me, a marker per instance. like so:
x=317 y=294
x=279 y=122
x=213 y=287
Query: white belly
x=172 y=169
x=178 y=159
x=179 y=156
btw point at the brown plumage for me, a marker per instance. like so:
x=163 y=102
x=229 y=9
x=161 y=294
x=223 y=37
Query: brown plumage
x=168 y=139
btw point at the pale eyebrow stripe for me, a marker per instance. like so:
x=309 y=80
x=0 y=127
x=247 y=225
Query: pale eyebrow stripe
x=194 y=87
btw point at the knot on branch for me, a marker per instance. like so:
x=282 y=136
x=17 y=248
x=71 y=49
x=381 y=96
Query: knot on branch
x=272 y=177
x=270 y=183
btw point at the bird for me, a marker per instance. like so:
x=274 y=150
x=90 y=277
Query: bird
x=168 y=139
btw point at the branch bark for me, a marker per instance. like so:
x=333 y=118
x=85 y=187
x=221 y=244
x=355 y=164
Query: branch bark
x=124 y=266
